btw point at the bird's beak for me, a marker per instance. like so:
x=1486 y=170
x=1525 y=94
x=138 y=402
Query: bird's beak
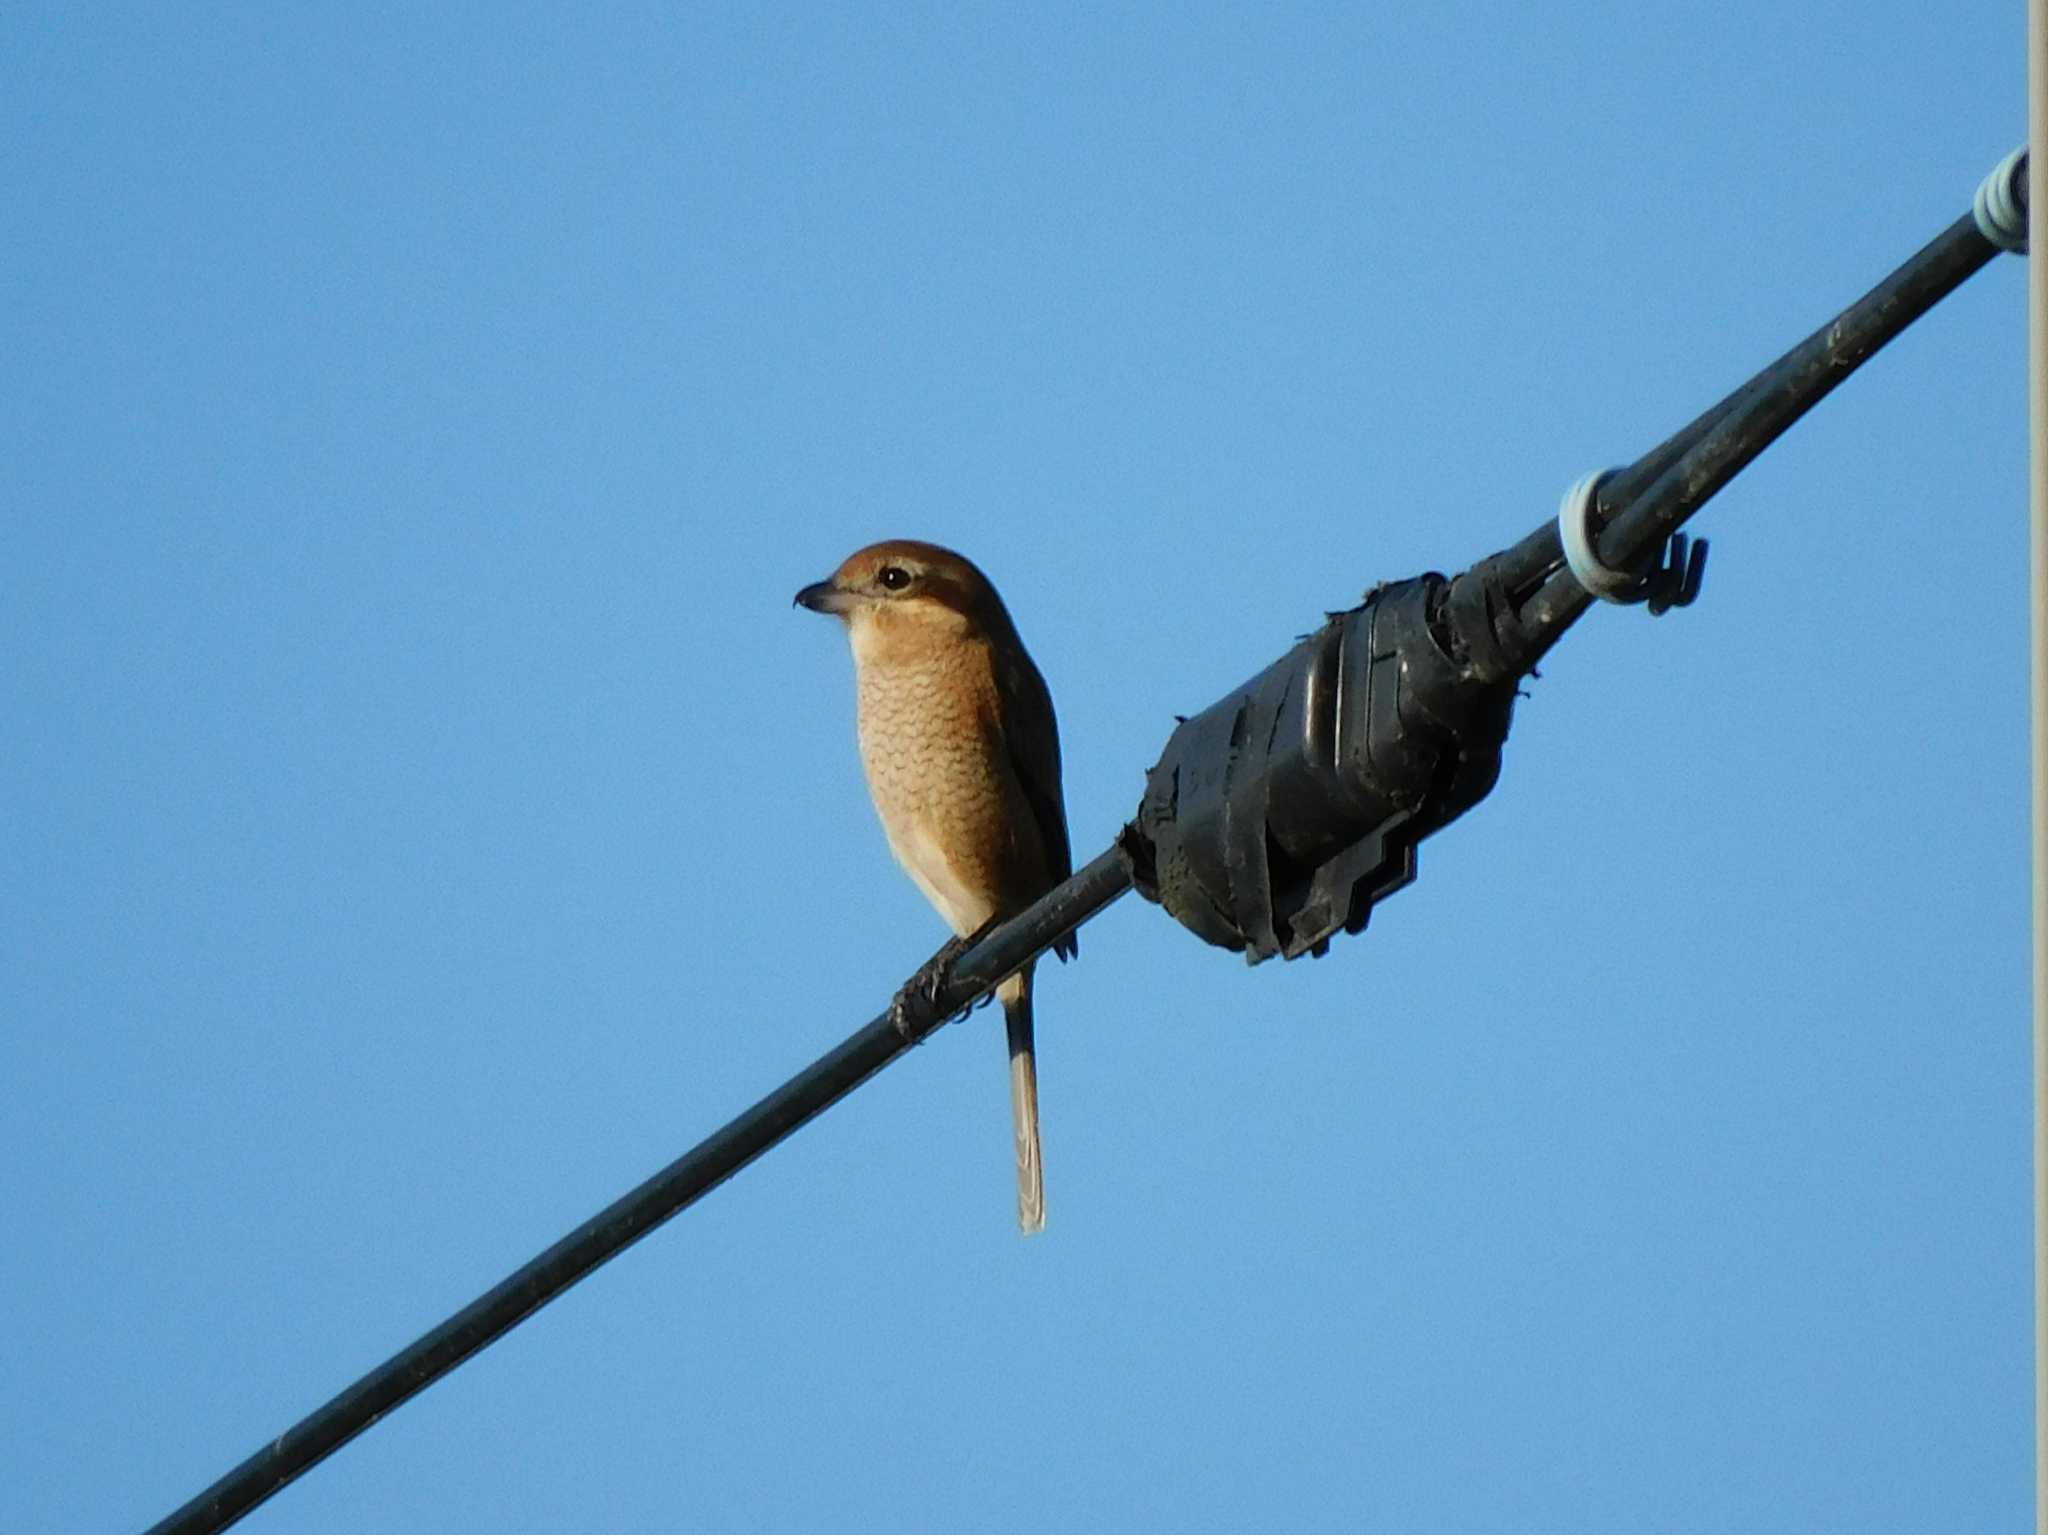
x=824 y=597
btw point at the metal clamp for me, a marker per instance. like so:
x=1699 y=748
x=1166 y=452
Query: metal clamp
x=1672 y=582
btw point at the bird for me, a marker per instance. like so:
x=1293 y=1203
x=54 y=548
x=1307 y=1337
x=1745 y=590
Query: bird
x=962 y=757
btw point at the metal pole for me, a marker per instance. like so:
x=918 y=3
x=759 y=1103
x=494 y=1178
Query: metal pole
x=2037 y=687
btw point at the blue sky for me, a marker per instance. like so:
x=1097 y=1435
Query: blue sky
x=424 y=815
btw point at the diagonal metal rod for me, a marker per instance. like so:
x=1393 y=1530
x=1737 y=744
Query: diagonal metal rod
x=1791 y=386
x=1641 y=505
x=1651 y=499
x=677 y=1186
x=1637 y=509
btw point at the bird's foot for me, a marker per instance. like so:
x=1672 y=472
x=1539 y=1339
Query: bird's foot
x=912 y=1008
x=919 y=995
x=900 y=1016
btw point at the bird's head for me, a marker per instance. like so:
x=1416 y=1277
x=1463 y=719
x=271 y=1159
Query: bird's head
x=904 y=590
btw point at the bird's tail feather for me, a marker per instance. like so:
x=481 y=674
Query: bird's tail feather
x=1015 y=995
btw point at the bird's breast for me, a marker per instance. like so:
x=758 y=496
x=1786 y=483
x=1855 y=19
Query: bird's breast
x=941 y=781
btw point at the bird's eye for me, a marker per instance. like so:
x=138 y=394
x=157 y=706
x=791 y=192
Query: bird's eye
x=893 y=578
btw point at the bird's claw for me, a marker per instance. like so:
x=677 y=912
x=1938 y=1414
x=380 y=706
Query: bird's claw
x=899 y=1015
x=919 y=997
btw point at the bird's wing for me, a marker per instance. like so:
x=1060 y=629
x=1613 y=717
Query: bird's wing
x=1032 y=736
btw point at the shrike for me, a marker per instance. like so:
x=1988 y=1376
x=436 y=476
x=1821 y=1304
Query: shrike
x=963 y=762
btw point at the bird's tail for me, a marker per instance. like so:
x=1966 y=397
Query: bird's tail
x=1015 y=995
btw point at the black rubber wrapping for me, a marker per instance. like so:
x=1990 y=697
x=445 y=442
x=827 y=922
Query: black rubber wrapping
x=1282 y=813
